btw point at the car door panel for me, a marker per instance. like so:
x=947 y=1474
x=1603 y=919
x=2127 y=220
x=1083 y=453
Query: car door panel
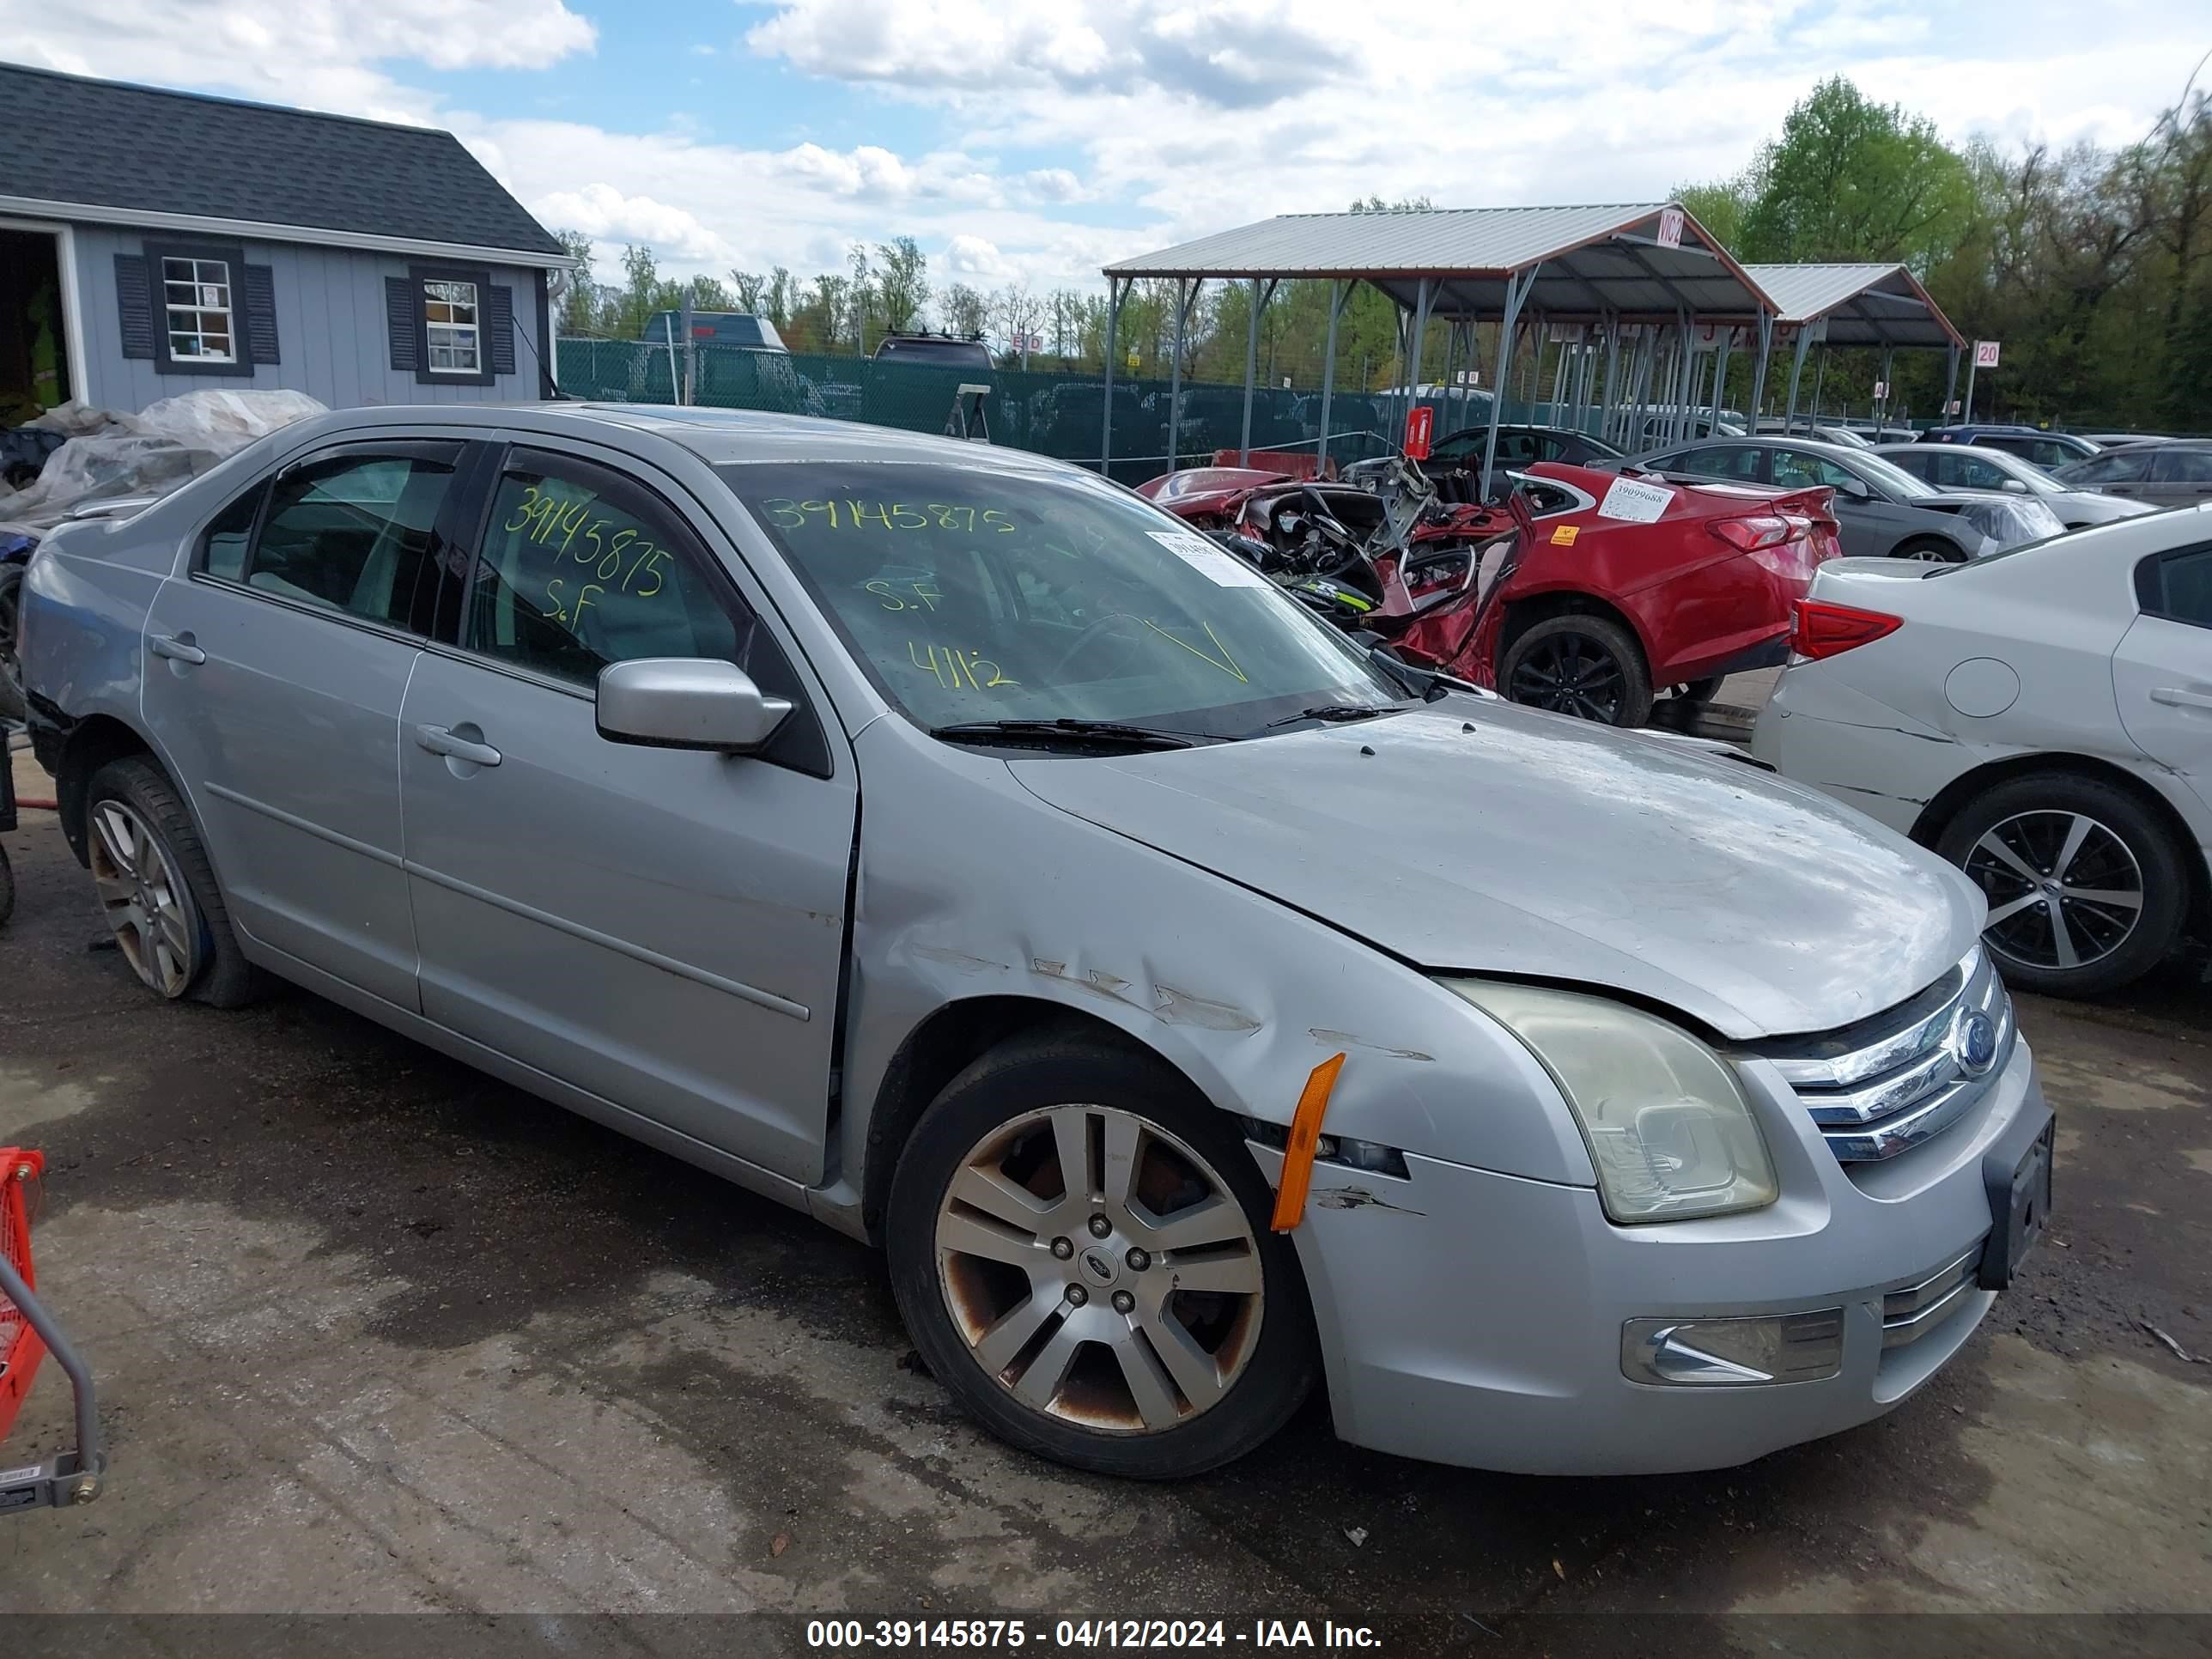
x=275 y=710
x=2162 y=670
x=662 y=927
x=2179 y=476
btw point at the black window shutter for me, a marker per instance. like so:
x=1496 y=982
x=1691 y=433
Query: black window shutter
x=499 y=325
x=400 y=305
x=135 y=303
x=259 y=290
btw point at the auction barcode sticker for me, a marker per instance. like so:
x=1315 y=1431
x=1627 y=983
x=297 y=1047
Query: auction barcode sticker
x=1211 y=560
x=1635 y=501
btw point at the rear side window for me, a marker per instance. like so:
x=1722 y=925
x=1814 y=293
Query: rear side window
x=222 y=549
x=1926 y=465
x=2178 y=466
x=2121 y=467
x=1973 y=472
x=1798 y=467
x=2176 y=586
x=1739 y=465
x=356 y=532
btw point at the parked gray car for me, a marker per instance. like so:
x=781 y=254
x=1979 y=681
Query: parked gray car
x=944 y=842
x=1968 y=466
x=2167 y=472
x=1882 y=512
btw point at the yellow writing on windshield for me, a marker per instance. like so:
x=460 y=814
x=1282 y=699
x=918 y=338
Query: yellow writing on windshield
x=1225 y=662
x=918 y=596
x=948 y=664
x=846 y=512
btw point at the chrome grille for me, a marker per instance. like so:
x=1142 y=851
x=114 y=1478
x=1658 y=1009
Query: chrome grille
x=1911 y=1313
x=1884 y=1085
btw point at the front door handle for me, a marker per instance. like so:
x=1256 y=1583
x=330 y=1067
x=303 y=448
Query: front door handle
x=2180 y=696
x=179 y=649
x=440 y=741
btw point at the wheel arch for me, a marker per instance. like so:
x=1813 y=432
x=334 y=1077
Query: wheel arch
x=945 y=1044
x=1952 y=800
x=92 y=742
x=1523 y=614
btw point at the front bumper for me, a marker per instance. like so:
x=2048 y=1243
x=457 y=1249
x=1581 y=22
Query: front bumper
x=1475 y=1318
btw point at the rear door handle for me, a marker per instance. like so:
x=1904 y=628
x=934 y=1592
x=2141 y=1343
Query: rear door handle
x=179 y=649
x=439 y=741
x=2180 y=696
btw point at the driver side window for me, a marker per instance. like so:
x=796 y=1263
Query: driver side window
x=1800 y=467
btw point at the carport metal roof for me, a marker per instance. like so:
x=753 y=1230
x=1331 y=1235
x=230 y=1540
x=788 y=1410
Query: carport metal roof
x=1586 y=262
x=1864 y=305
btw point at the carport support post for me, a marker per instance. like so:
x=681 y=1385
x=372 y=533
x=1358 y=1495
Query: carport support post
x=1967 y=412
x=1106 y=420
x=1950 y=387
x=1720 y=376
x=1797 y=368
x=1881 y=404
x=1413 y=354
x=1175 y=379
x=1687 y=379
x=1516 y=290
x=1819 y=379
x=1251 y=369
x=1759 y=372
x=1336 y=297
x=1612 y=376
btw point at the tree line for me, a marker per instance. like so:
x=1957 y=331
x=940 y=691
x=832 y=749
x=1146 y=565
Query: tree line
x=2091 y=266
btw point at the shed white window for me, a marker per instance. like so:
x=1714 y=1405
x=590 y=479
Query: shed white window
x=450 y=327
x=196 y=296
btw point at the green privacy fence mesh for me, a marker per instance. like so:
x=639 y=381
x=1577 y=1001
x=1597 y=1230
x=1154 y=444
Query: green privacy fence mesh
x=1052 y=412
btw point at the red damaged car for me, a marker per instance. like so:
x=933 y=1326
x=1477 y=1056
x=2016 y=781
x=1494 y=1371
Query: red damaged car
x=1588 y=592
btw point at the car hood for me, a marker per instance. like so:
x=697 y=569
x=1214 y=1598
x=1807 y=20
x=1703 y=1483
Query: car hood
x=1478 y=837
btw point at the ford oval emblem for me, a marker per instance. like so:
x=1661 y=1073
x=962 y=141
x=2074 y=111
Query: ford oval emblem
x=1974 y=1040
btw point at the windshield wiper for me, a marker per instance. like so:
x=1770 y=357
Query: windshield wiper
x=1105 y=733
x=1336 y=712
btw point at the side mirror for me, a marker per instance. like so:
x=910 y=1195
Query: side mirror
x=2013 y=487
x=686 y=702
x=1856 y=488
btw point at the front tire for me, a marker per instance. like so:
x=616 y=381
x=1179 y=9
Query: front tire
x=158 y=888
x=2086 y=889
x=1929 y=550
x=1587 y=666
x=1079 y=1246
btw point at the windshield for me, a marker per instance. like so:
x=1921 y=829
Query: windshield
x=969 y=593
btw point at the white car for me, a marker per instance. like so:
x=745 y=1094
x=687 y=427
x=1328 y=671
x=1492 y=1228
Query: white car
x=2042 y=718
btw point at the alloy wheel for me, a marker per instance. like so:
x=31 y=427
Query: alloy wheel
x=1570 y=674
x=145 y=899
x=2064 y=890
x=1100 y=1270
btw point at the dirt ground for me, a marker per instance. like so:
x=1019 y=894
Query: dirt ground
x=374 y=1333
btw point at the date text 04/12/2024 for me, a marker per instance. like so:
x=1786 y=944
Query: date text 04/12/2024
x=1084 y=1634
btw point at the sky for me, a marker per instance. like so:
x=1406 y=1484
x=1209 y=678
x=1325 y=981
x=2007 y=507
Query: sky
x=1033 y=141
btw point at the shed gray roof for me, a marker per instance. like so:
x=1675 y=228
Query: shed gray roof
x=118 y=149
x=1863 y=304
x=1588 y=259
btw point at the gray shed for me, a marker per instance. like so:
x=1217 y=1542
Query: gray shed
x=153 y=242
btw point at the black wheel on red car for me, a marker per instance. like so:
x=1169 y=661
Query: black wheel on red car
x=1586 y=666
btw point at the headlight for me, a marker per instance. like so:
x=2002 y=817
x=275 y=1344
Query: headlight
x=1667 y=1122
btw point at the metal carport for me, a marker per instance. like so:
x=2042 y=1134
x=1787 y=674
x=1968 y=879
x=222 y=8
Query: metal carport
x=1646 y=263
x=1854 y=305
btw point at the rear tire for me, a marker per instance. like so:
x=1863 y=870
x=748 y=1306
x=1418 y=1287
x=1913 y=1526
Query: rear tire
x=11 y=669
x=1154 y=1361
x=158 y=890
x=1587 y=666
x=2089 y=838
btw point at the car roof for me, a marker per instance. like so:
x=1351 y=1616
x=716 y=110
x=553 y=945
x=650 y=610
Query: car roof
x=717 y=436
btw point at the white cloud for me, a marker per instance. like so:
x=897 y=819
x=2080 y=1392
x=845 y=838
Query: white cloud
x=976 y=256
x=1165 y=118
x=605 y=215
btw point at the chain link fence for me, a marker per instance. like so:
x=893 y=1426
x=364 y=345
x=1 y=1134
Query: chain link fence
x=1049 y=412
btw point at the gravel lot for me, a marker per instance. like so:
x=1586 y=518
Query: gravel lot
x=377 y=1334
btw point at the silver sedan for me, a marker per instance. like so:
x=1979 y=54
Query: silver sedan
x=1195 y=1007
